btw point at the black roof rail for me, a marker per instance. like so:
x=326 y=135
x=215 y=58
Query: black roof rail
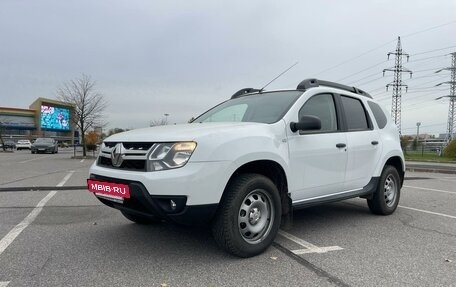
x=243 y=92
x=313 y=83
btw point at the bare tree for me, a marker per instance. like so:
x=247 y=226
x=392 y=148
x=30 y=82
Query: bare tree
x=160 y=122
x=89 y=104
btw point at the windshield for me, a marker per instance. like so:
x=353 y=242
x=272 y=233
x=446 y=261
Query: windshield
x=260 y=108
x=44 y=140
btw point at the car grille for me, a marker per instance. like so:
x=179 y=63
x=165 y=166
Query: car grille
x=134 y=155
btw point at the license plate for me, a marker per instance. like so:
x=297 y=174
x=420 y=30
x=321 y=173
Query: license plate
x=41 y=149
x=114 y=190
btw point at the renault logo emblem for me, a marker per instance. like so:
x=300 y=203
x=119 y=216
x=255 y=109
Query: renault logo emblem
x=117 y=155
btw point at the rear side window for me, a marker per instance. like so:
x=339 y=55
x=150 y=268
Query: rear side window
x=379 y=115
x=355 y=114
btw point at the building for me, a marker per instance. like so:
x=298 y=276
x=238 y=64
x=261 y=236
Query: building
x=43 y=118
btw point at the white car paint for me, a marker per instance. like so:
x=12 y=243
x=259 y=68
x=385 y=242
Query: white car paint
x=313 y=166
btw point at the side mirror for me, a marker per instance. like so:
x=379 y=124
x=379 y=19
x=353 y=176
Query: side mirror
x=306 y=123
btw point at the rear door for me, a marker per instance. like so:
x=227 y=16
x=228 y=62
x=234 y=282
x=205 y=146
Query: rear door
x=364 y=146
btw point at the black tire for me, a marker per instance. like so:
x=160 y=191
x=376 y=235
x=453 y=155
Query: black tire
x=32 y=152
x=386 y=197
x=251 y=202
x=139 y=219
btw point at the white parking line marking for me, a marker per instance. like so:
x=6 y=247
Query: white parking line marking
x=9 y=238
x=4 y=283
x=309 y=247
x=431 y=189
x=29 y=160
x=82 y=160
x=427 y=211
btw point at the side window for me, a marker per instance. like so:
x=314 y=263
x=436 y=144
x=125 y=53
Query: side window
x=379 y=115
x=355 y=114
x=323 y=107
x=229 y=114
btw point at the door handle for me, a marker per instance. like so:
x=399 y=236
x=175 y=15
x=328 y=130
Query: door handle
x=374 y=142
x=341 y=145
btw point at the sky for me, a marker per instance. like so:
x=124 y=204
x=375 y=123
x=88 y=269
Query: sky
x=151 y=58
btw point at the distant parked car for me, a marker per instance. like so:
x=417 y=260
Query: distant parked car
x=9 y=144
x=23 y=144
x=45 y=145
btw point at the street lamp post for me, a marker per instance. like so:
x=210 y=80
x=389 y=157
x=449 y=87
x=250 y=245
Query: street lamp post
x=418 y=124
x=166 y=117
x=417 y=136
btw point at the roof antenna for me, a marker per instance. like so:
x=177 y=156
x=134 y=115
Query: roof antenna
x=289 y=68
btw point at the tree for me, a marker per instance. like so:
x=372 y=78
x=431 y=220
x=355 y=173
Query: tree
x=405 y=141
x=450 y=150
x=415 y=144
x=91 y=140
x=160 y=122
x=89 y=104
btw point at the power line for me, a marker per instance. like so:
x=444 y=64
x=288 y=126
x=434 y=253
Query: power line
x=368 y=82
x=373 y=74
x=363 y=70
x=427 y=58
x=354 y=58
x=385 y=44
x=435 y=50
x=425 y=70
x=429 y=29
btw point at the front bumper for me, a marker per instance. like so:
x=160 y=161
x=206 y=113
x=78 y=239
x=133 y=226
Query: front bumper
x=42 y=149
x=156 y=206
x=196 y=189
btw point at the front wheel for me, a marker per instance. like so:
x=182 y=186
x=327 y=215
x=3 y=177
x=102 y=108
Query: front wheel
x=386 y=197
x=249 y=215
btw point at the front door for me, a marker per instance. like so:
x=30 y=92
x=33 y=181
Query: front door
x=318 y=158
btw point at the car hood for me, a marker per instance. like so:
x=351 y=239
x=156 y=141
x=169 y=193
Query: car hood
x=184 y=132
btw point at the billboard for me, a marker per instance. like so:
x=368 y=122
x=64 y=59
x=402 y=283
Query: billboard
x=55 y=118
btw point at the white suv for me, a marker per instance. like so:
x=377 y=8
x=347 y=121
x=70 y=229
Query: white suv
x=244 y=165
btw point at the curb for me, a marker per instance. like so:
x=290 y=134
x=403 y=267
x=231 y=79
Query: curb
x=431 y=170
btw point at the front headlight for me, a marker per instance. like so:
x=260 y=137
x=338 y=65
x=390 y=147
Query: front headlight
x=170 y=155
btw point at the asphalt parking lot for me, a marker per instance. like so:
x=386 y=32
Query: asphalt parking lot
x=67 y=238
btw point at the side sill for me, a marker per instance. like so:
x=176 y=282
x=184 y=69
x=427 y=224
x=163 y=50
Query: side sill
x=365 y=192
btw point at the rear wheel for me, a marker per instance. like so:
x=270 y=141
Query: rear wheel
x=138 y=218
x=249 y=215
x=386 y=197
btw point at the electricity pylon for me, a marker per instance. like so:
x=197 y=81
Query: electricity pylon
x=452 y=96
x=397 y=84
